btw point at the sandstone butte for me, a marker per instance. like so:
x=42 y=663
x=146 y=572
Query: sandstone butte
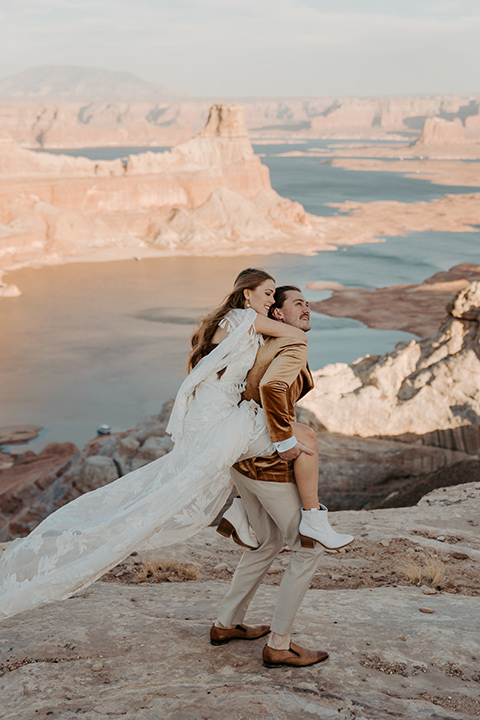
x=438 y=155
x=209 y=195
x=390 y=429
x=439 y=132
x=440 y=139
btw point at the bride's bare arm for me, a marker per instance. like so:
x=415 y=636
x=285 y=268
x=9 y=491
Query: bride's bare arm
x=274 y=328
x=266 y=326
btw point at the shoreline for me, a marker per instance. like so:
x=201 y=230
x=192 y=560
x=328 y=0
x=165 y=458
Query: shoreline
x=416 y=308
x=460 y=173
x=357 y=223
x=134 y=252
x=271 y=228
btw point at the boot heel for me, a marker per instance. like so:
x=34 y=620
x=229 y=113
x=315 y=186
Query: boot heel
x=307 y=542
x=225 y=528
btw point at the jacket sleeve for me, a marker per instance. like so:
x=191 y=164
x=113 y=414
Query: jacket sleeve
x=275 y=386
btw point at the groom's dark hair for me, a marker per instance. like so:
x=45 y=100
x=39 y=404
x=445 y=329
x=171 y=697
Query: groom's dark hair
x=280 y=297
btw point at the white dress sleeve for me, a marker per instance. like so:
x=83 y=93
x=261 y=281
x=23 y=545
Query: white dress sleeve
x=234 y=317
x=239 y=323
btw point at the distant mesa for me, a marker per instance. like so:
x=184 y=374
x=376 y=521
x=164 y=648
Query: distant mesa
x=78 y=107
x=438 y=132
x=51 y=82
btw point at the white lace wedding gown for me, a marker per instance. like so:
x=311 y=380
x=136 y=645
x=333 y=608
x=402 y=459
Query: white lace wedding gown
x=159 y=504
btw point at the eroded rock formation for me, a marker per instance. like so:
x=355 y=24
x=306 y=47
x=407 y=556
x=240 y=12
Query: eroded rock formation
x=438 y=132
x=32 y=486
x=421 y=387
x=397 y=418
x=28 y=486
x=201 y=196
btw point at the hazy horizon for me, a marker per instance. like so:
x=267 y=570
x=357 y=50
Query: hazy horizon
x=232 y=98
x=267 y=48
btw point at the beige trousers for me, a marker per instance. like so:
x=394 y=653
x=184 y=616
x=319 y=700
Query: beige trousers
x=274 y=512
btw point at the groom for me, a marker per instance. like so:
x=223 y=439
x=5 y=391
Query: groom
x=279 y=377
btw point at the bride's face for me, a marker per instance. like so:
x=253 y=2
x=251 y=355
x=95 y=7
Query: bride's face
x=262 y=298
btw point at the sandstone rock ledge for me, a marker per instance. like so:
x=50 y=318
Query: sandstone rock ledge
x=388 y=424
x=421 y=387
x=142 y=651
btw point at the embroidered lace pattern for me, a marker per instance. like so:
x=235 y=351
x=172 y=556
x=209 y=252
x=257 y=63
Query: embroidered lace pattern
x=159 y=504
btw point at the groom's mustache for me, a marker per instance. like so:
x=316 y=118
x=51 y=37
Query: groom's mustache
x=304 y=316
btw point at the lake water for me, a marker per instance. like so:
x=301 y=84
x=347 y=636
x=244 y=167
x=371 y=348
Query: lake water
x=314 y=183
x=92 y=343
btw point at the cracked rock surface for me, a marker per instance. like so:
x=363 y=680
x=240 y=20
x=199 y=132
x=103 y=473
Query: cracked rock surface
x=141 y=650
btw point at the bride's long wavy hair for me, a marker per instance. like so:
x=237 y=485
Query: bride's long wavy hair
x=201 y=341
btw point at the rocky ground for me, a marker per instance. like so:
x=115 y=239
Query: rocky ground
x=401 y=635
x=431 y=540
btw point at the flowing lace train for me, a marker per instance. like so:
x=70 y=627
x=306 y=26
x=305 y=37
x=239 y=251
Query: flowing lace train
x=162 y=503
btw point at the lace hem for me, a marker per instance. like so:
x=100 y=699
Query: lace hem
x=155 y=506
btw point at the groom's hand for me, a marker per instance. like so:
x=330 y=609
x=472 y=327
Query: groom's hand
x=295 y=451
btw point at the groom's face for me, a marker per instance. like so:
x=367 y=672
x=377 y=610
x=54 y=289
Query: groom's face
x=294 y=311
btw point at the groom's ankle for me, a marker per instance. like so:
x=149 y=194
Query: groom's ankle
x=218 y=624
x=279 y=642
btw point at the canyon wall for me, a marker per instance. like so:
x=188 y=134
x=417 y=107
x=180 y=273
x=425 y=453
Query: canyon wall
x=65 y=123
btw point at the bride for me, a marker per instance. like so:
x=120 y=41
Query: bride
x=172 y=498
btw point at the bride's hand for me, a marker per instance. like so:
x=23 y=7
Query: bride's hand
x=294 y=452
x=275 y=328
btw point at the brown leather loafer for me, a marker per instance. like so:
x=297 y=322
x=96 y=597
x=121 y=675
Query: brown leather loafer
x=295 y=655
x=220 y=636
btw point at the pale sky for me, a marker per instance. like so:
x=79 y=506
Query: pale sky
x=238 y=48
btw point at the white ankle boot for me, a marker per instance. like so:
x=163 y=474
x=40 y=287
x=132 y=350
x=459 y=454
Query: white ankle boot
x=315 y=526
x=234 y=524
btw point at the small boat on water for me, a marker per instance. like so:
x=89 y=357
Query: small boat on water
x=104 y=430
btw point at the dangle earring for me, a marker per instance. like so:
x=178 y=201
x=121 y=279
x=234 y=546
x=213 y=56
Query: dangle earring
x=247 y=303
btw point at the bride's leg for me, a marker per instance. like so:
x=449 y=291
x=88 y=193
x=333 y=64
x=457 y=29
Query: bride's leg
x=305 y=467
x=314 y=525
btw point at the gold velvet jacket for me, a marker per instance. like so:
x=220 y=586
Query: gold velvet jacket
x=279 y=377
